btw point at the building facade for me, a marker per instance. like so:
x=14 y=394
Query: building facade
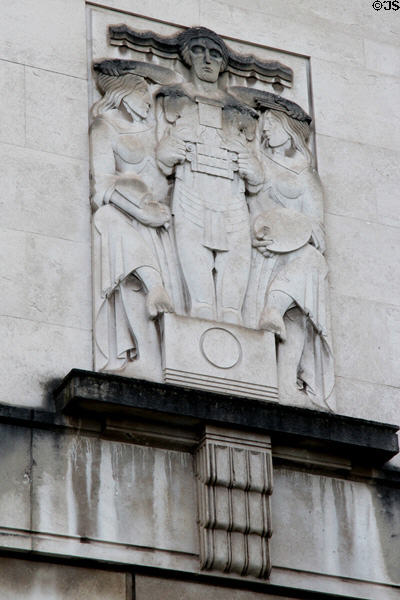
x=129 y=471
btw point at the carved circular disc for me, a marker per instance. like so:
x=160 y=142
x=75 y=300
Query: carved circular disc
x=220 y=347
x=287 y=228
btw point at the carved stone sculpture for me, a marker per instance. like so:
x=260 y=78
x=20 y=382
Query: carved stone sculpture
x=207 y=207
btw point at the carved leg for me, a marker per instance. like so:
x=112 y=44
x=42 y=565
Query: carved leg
x=197 y=263
x=272 y=316
x=289 y=357
x=232 y=276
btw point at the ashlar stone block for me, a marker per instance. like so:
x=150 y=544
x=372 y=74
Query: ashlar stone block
x=127 y=495
x=56 y=113
x=45 y=193
x=283 y=29
x=24 y=580
x=46 y=279
x=12 y=103
x=360 y=180
x=371 y=274
x=356 y=105
x=373 y=327
x=49 y=34
x=156 y=588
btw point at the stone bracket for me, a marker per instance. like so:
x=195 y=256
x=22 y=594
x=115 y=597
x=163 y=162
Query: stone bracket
x=234 y=482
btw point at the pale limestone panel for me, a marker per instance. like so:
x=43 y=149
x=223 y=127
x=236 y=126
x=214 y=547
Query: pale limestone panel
x=155 y=588
x=384 y=58
x=35 y=356
x=355 y=104
x=366 y=340
x=282 y=31
x=362 y=257
x=182 y=13
x=360 y=180
x=45 y=193
x=50 y=34
x=114 y=492
x=20 y=579
x=15 y=477
x=45 y=279
x=364 y=400
x=356 y=18
x=336 y=527
x=12 y=103
x=56 y=113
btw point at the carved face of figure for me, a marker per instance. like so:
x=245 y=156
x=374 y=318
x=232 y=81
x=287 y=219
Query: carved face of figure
x=137 y=105
x=206 y=58
x=273 y=131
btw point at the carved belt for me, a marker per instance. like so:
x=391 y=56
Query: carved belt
x=217 y=221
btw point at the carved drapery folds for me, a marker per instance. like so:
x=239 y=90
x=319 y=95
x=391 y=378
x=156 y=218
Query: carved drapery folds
x=207 y=207
x=234 y=479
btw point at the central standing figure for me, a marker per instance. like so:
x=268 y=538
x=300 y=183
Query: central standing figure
x=206 y=143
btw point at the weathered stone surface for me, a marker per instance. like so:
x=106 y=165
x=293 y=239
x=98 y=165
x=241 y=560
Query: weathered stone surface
x=156 y=588
x=360 y=180
x=382 y=57
x=50 y=35
x=42 y=353
x=56 y=113
x=15 y=479
x=94 y=393
x=24 y=580
x=332 y=526
x=368 y=400
x=40 y=183
x=360 y=255
x=355 y=104
x=375 y=328
x=12 y=103
x=41 y=281
x=185 y=14
x=283 y=30
x=112 y=492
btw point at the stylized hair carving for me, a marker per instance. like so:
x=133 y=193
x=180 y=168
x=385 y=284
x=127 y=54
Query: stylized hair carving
x=177 y=46
x=115 y=89
x=299 y=132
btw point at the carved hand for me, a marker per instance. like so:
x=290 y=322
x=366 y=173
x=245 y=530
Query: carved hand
x=171 y=150
x=153 y=214
x=250 y=168
x=262 y=247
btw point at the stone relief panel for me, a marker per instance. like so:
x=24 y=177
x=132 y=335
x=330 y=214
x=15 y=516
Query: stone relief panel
x=208 y=238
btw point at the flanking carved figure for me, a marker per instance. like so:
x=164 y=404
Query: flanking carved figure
x=206 y=204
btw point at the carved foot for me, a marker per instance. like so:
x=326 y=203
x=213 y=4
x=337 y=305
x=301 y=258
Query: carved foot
x=201 y=310
x=230 y=315
x=271 y=320
x=158 y=302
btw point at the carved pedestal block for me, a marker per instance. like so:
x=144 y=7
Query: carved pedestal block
x=219 y=357
x=234 y=479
